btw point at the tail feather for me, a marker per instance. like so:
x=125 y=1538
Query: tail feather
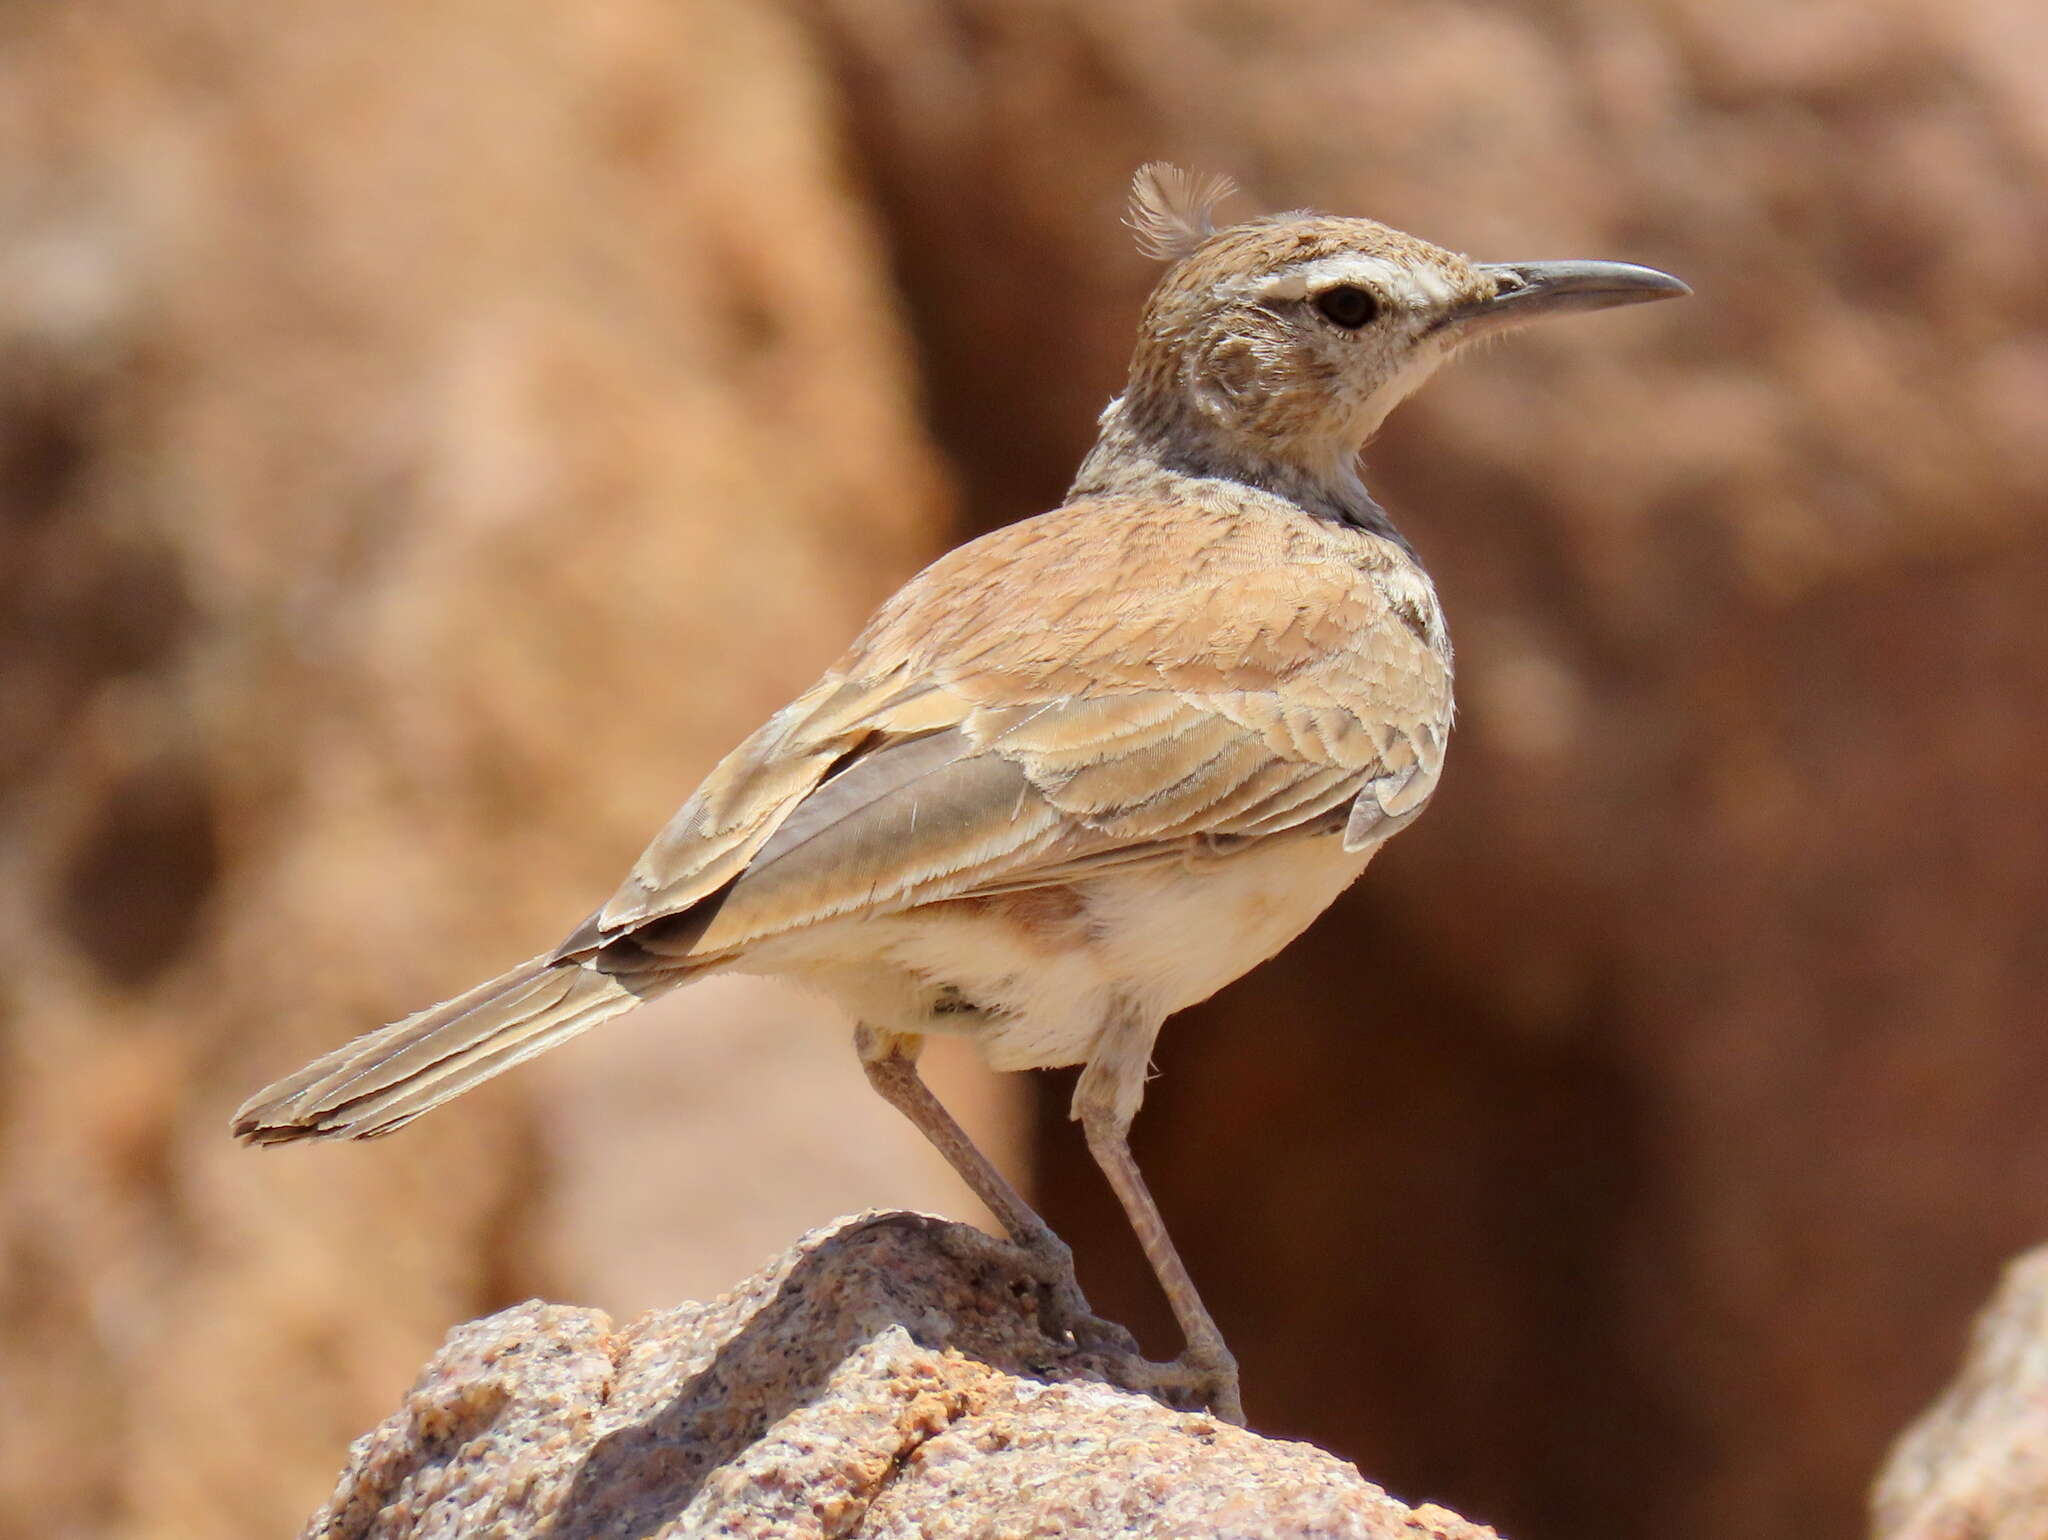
x=385 y=1079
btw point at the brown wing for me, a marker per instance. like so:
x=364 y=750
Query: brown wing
x=1095 y=688
x=1109 y=685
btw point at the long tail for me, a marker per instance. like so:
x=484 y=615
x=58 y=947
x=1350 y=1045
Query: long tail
x=385 y=1079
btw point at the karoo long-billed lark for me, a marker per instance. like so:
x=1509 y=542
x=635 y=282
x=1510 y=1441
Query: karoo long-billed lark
x=1087 y=769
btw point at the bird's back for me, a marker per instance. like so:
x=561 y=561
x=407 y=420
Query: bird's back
x=1118 y=682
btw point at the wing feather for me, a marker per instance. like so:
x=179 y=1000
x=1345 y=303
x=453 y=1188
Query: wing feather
x=1247 y=689
x=910 y=822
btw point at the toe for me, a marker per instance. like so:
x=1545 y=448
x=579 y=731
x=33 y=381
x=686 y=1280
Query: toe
x=1093 y=1334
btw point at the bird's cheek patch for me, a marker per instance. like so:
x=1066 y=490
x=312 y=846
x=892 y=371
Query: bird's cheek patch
x=1225 y=375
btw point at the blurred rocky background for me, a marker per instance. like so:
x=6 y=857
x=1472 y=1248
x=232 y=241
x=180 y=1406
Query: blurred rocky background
x=431 y=434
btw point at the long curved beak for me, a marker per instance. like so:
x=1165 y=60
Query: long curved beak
x=1529 y=291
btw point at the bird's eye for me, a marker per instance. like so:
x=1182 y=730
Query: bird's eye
x=1347 y=305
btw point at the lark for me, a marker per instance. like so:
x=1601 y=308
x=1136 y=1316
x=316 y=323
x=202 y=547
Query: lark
x=1083 y=771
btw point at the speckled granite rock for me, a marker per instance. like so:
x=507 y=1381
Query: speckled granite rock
x=885 y=1377
x=1975 y=1465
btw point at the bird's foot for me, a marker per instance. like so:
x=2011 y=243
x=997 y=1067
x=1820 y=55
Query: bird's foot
x=1063 y=1310
x=1092 y=1333
x=1205 y=1374
x=1200 y=1377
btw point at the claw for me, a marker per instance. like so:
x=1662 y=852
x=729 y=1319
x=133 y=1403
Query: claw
x=1203 y=1377
x=1063 y=1310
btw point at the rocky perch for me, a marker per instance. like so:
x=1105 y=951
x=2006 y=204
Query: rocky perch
x=885 y=1377
x=1975 y=1465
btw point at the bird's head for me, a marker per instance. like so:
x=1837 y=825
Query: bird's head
x=1287 y=339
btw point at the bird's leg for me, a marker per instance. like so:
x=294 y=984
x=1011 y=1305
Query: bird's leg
x=1105 y=1101
x=890 y=1059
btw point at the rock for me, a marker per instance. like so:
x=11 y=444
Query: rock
x=886 y=1376
x=1975 y=1466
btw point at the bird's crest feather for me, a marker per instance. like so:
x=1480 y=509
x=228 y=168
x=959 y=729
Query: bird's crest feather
x=1172 y=210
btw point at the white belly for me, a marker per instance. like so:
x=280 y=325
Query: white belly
x=1176 y=937
x=1158 y=939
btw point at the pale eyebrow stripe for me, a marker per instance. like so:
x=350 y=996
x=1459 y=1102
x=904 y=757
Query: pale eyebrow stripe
x=1408 y=285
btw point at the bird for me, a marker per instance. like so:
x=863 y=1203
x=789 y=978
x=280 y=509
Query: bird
x=1086 y=769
